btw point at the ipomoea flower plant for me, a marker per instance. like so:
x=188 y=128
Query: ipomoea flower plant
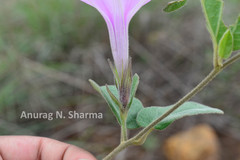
x=121 y=99
x=118 y=14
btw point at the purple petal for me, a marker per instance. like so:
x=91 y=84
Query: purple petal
x=118 y=14
x=132 y=6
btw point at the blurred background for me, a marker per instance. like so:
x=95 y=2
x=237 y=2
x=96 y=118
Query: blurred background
x=49 y=50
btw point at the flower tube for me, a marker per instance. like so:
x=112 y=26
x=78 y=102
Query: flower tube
x=118 y=14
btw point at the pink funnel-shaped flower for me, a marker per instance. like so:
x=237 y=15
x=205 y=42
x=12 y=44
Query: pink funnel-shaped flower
x=118 y=14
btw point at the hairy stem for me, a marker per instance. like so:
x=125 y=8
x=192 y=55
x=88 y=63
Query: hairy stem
x=215 y=55
x=191 y=94
x=231 y=60
x=146 y=130
x=118 y=149
x=141 y=135
x=124 y=134
x=197 y=89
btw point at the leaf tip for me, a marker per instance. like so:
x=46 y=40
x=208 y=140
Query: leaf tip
x=95 y=85
x=220 y=111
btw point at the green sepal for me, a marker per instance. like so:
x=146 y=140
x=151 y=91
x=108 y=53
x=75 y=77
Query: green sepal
x=114 y=99
x=134 y=87
x=95 y=86
x=114 y=108
x=133 y=110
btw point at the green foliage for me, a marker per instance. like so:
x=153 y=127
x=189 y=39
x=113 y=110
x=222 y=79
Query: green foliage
x=50 y=19
x=226 y=45
x=135 y=107
x=222 y=29
x=46 y=32
x=236 y=35
x=6 y=90
x=148 y=115
x=10 y=89
x=49 y=29
x=225 y=39
x=134 y=86
x=174 y=5
x=213 y=14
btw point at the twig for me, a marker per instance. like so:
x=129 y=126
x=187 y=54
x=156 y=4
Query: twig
x=142 y=134
x=192 y=93
x=231 y=60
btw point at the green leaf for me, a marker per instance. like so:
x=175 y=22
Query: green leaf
x=135 y=82
x=104 y=93
x=148 y=115
x=114 y=99
x=226 y=45
x=95 y=86
x=213 y=14
x=236 y=35
x=113 y=106
x=222 y=30
x=174 y=5
x=232 y=28
x=133 y=111
x=134 y=108
x=132 y=114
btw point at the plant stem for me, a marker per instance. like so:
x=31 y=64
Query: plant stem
x=141 y=135
x=124 y=134
x=187 y=97
x=118 y=149
x=231 y=60
x=192 y=93
x=215 y=55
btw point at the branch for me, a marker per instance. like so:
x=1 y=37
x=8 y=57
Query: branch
x=142 y=134
x=191 y=94
x=231 y=60
x=118 y=149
